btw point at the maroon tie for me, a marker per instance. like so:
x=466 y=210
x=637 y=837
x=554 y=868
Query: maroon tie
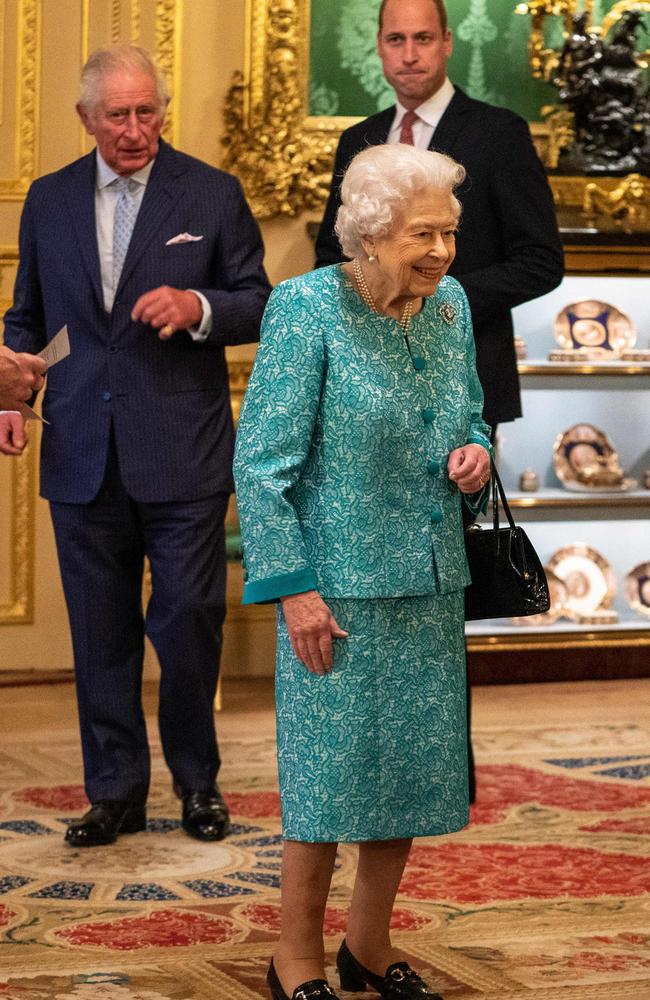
x=406 y=133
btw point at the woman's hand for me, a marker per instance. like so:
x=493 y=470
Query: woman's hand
x=311 y=627
x=469 y=467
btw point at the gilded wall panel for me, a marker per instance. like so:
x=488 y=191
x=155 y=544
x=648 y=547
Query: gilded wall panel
x=24 y=139
x=2 y=58
x=17 y=510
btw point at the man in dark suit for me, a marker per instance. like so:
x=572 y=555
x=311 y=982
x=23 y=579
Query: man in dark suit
x=154 y=262
x=508 y=248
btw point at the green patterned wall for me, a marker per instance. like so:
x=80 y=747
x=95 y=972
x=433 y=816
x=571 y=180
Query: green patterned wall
x=489 y=62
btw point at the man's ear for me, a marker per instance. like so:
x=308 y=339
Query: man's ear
x=86 y=119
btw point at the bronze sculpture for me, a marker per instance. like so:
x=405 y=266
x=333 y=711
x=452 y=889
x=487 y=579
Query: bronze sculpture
x=602 y=83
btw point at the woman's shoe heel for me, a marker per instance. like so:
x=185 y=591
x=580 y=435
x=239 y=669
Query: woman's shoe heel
x=348 y=975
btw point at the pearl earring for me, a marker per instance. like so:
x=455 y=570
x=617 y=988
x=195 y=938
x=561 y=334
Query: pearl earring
x=371 y=259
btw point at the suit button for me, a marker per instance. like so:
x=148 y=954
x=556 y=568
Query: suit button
x=419 y=364
x=113 y=349
x=106 y=396
x=436 y=516
x=428 y=416
x=433 y=466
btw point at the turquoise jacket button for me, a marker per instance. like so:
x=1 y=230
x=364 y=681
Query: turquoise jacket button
x=433 y=466
x=428 y=416
x=419 y=364
x=436 y=516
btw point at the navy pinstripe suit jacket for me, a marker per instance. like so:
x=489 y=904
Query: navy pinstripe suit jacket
x=168 y=401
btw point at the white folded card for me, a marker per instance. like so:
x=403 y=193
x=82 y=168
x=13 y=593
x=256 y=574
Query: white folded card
x=183 y=238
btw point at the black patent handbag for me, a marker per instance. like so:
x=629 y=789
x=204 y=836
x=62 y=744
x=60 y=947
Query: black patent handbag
x=508 y=579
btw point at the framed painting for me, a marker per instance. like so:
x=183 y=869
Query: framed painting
x=312 y=70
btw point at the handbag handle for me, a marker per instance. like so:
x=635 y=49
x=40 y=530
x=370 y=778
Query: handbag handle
x=497 y=490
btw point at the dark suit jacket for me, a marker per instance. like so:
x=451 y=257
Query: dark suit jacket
x=167 y=401
x=508 y=248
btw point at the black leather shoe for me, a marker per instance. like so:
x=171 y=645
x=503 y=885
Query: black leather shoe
x=205 y=814
x=399 y=983
x=315 y=989
x=104 y=821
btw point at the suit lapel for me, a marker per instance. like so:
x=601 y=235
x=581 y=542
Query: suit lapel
x=378 y=127
x=451 y=124
x=80 y=198
x=160 y=198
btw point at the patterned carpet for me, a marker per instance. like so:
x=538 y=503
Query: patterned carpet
x=545 y=895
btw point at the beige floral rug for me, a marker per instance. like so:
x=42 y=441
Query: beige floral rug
x=545 y=895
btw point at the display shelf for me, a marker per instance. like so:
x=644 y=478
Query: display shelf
x=618 y=369
x=501 y=635
x=565 y=499
x=613 y=396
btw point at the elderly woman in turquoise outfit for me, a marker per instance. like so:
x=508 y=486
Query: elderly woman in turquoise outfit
x=360 y=434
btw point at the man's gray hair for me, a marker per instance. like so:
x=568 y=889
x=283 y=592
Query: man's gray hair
x=118 y=58
x=379 y=184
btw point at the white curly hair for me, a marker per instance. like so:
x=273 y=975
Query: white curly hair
x=378 y=185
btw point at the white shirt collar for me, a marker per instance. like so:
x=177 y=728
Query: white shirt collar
x=431 y=110
x=106 y=175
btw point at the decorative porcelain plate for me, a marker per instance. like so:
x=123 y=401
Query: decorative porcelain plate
x=594 y=329
x=585 y=461
x=587 y=577
x=637 y=588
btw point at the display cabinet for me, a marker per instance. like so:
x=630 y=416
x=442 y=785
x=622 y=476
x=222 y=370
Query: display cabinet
x=614 y=396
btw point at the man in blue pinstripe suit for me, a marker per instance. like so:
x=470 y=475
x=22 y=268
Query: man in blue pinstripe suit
x=154 y=262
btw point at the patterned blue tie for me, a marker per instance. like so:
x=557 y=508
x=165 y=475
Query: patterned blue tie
x=126 y=212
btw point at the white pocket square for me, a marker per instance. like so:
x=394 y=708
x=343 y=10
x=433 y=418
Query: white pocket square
x=183 y=238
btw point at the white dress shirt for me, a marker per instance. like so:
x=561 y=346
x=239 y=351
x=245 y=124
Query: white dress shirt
x=429 y=114
x=106 y=195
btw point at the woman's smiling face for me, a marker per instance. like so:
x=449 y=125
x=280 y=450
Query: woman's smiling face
x=421 y=246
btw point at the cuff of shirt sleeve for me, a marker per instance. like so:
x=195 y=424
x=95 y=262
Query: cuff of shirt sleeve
x=274 y=587
x=202 y=331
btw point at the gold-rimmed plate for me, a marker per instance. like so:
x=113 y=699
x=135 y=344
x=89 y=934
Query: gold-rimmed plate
x=597 y=329
x=587 y=576
x=585 y=461
x=637 y=588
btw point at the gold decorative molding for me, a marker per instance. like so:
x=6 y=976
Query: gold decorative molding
x=2 y=58
x=282 y=156
x=116 y=20
x=19 y=609
x=168 y=46
x=617 y=11
x=135 y=21
x=547 y=639
x=238 y=375
x=28 y=47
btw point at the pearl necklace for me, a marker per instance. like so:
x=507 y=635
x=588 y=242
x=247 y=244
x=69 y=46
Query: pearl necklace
x=407 y=313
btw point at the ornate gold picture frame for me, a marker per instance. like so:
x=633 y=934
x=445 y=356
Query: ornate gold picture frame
x=283 y=156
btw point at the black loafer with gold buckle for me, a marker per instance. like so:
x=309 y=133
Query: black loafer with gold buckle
x=315 y=989
x=399 y=983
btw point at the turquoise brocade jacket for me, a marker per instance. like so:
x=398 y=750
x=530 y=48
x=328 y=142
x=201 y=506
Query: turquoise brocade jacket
x=342 y=445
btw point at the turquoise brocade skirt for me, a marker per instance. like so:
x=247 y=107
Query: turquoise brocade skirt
x=376 y=749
